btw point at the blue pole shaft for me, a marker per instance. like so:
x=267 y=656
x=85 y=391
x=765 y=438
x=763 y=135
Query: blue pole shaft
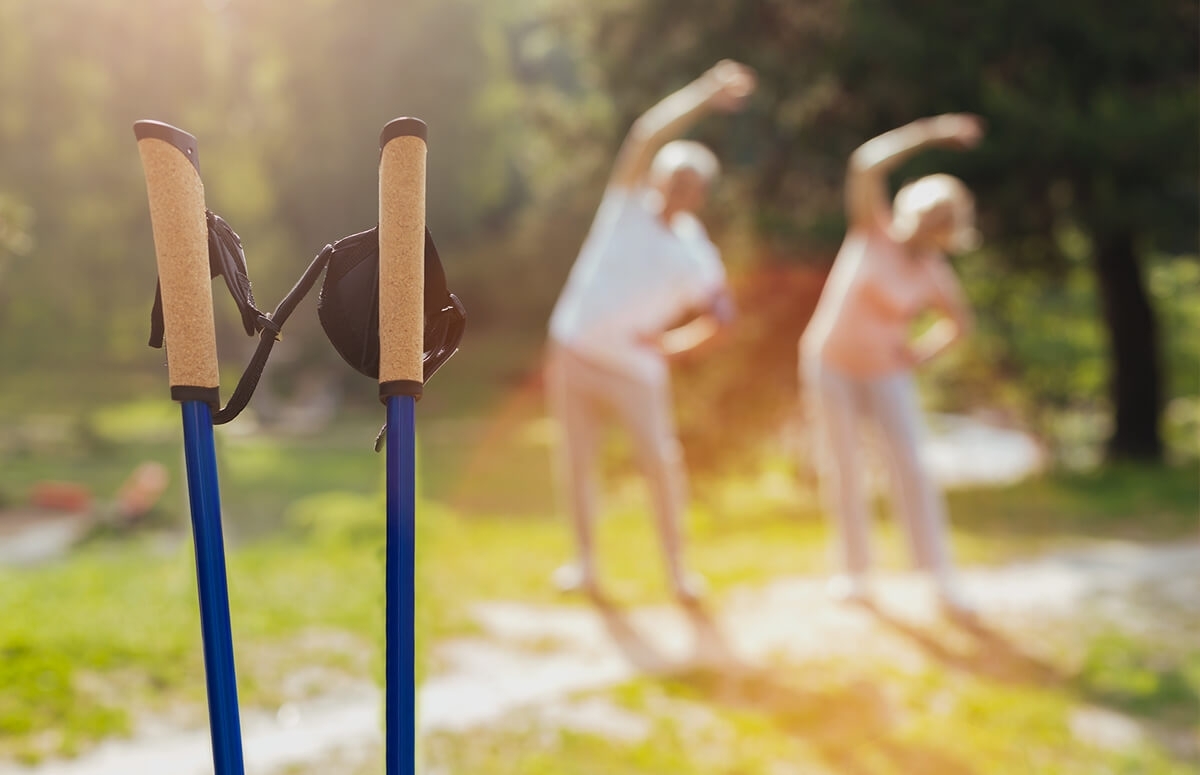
x=205 y=498
x=401 y=712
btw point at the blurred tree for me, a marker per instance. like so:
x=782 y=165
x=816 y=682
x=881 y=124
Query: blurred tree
x=286 y=100
x=15 y=222
x=1093 y=113
x=76 y=75
x=1092 y=156
x=585 y=76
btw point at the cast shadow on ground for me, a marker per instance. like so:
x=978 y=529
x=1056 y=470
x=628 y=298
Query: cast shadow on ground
x=850 y=727
x=990 y=654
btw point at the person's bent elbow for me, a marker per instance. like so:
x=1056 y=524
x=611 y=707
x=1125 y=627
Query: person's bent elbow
x=859 y=161
x=724 y=309
x=641 y=132
x=865 y=160
x=965 y=323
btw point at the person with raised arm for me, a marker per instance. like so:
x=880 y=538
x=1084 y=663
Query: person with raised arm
x=857 y=356
x=646 y=265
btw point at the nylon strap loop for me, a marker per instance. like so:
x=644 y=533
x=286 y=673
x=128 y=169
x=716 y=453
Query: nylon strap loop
x=445 y=317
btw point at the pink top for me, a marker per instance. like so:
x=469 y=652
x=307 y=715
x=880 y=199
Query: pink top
x=875 y=290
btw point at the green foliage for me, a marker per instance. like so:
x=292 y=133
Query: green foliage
x=1096 y=502
x=337 y=517
x=527 y=101
x=286 y=101
x=1091 y=131
x=15 y=222
x=1156 y=682
x=41 y=693
x=1086 y=117
x=68 y=671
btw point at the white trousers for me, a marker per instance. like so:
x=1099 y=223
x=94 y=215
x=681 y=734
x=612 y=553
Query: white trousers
x=582 y=395
x=889 y=403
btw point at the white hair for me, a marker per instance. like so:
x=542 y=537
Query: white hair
x=684 y=155
x=933 y=193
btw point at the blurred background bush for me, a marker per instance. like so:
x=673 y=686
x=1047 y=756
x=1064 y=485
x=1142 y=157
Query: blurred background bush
x=1088 y=290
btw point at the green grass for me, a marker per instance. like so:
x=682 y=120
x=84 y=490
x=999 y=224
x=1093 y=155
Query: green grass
x=981 y=702
x=260 y=476
x=830 y=717
x=1160 y=682
x=1120 y=501
x=90 y=644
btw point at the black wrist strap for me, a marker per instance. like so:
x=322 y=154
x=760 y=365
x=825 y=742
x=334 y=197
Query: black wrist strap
x=227 y=259
x=445 y=317
x=272 y=329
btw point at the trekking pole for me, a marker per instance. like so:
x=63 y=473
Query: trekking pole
x=401 y=376
x=177 y=216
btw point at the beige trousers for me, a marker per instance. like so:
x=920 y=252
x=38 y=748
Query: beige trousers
x=582 y=395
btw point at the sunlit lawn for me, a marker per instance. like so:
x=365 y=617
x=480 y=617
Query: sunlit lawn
x=834 y=716
x=92 y=643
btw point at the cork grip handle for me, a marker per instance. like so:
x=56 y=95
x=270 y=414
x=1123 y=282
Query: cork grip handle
x=402 y=147
x=171 y=165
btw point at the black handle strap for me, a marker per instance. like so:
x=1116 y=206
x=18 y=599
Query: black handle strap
x=227 y=259
x=271 y=333
x=445 y=316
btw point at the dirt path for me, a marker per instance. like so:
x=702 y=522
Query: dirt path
x=538 y=657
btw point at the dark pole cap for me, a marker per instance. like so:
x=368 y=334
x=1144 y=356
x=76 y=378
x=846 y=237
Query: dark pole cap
x=185 y=142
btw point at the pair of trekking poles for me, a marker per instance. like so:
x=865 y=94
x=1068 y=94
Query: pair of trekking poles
x=396 y=322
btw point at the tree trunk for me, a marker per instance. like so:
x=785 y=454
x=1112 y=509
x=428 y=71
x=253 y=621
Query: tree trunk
x=1135 y=382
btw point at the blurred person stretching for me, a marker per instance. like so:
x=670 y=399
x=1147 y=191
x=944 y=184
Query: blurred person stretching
x=647 y=264
x=857 y=357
